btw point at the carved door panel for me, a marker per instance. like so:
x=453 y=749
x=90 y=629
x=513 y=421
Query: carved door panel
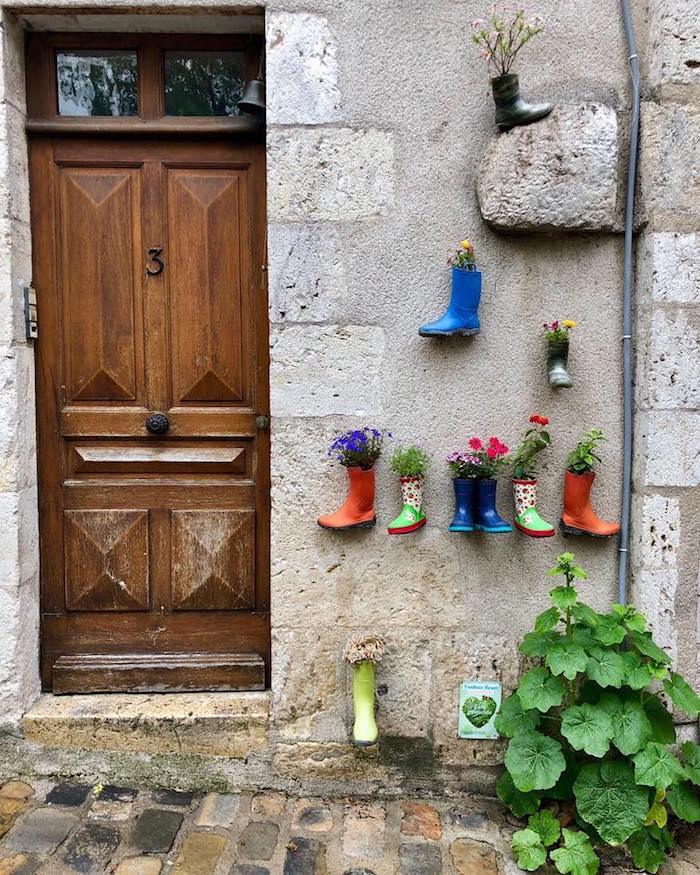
x=154 y=533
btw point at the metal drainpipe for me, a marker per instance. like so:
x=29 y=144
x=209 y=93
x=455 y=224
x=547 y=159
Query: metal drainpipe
x=627 y=348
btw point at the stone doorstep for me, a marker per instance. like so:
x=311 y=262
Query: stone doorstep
x=214 y=724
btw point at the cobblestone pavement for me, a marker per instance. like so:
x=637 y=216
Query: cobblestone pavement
x=68 y=828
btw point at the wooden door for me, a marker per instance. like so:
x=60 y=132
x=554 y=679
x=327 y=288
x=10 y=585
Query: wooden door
x=148 y=262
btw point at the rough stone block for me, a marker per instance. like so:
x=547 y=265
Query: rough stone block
x=16 y=790
x=90 y=848
x=670 y=144
x=41 y=832
x=258 y=841
x=558 y=174
x=302 y=69
x=267 y=805
x=70 y=795
x=306 y=280
x=106 y=810
x=332 y=174
x=675 y=267
x=155 y=830
x=473 y=858
x=139 y=866
x=321 y=370
x=655 y=595
x=312 y=817
x=674 y=30
x=305 y=856
x=326 y=761
x=672 y=363
x=217 y=809
x=420 y=859
x=672 y=441
x=19 y=864
x=364 y=826
x=420 y=819
x=173 y=797
x=659 y=536
x=199 y=854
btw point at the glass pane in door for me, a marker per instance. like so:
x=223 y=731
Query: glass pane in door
x=203 y=83
x=97 y=83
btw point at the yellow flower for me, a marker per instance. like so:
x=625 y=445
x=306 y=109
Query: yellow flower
x=466 y=244
x=568 y=323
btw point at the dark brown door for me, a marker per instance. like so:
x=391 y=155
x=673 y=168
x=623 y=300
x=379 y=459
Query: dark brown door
x=154 y=545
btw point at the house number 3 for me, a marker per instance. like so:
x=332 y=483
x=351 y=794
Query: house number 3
x=155 y=263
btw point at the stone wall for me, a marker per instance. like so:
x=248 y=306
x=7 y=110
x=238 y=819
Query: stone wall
x=378 y=117
x=666 y=548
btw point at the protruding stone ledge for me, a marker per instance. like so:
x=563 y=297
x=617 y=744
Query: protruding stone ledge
x=559 y=174
x=214 y=724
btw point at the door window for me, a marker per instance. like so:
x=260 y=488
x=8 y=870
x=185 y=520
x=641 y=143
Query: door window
x=97 y=83
x=203 y=83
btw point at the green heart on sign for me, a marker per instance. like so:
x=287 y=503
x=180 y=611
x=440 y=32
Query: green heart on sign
x=479 y=711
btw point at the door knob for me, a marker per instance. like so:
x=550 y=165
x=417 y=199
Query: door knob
x=157 y=423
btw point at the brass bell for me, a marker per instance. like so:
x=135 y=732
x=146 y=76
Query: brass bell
x=253 y=100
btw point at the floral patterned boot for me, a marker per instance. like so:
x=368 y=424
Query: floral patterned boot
x=411 y=516
x=527 y=517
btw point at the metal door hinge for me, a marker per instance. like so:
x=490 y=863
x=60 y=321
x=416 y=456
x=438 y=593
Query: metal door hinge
x=31 y=322
x=262 y=422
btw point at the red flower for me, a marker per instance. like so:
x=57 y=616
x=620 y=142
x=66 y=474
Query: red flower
x=540 y=420
x=493 y=441
x=544 y=420
x=475 y=443
x=492 y=452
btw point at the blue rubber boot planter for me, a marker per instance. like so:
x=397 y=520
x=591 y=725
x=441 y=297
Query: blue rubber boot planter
x=461 y=317
x=463 y=520
x=486 y=518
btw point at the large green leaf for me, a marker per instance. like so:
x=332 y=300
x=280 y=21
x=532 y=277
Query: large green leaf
x=682 y=694
x=564 y=597
x=521 y=804
x=606 y=667
x=684 y=802
x=634 y=621
x=656 y=766
x=646 y=852
x=661 y=721
x=630 y=725
x=528 y=850
x=513 y=718
x=585 y=615
x=639 y=677
x=547 y=827
x=546 y=621
x=534 y=761
x=583 y=636
x=608 y=631
x=577 y=856
x=608 y=798
x=539 y=689
x=646 y=646
x=691 y=756
x=566 y=658
x=534 y=644
x=587 y=728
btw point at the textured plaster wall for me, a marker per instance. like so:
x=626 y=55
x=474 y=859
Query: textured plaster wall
x=378 y=117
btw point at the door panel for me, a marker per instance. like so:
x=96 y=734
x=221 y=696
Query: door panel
x=154 y=548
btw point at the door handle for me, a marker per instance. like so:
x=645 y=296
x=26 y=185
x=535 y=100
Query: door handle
x=262 y=422
x=157 y=423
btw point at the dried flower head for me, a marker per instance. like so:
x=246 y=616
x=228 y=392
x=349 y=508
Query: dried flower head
x=366 y=648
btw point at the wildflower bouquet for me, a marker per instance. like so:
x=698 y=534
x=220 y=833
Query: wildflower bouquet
x=358 y=448
x=558 y=331
x=480 y=462
x=501 y=36
x=464 y=258
x=534 y=441
x=464 y=466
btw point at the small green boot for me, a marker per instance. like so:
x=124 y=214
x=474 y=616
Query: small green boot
x=527 y=517
x=511 y=109
x=557 y=362
x=411 y=516
x=364 y=731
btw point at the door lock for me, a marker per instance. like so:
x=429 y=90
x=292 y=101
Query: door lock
x=262 y=422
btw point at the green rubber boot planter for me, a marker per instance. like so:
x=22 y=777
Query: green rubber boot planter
x=527 y=517
x=511 y=109
x=364 y=730
x=557 y=362
x=411 y=516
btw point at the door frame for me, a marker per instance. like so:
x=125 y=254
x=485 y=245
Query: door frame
x=44 y=123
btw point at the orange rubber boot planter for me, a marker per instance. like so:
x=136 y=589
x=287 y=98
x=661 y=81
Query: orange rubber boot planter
x=358 y=510
x=579 y=518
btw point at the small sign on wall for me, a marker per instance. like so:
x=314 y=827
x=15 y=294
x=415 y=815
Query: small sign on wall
x=479 y=703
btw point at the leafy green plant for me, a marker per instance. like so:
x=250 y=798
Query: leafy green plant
x=410 y=462
x=584 y=457
x=591 y=737
x=535 y=439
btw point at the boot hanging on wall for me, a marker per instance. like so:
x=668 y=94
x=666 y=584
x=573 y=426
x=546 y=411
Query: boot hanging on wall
x=461 y=316
x=410 y=463
x=578 y=517
x=362 y=654
x=557 y=334
x=357 y=451
x=535 y=440
x=500 y=39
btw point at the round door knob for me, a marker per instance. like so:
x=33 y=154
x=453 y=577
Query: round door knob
x=157 y=423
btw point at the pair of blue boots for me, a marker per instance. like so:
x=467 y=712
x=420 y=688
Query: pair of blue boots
x=461 y=317
x=475 y=507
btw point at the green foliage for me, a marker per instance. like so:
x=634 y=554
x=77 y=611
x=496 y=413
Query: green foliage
x=534 y=441
x=410 y=462
x=588 y=728
x=584 y=457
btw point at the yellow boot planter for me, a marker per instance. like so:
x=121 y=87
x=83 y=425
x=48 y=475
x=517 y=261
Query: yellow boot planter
x=362 y=654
